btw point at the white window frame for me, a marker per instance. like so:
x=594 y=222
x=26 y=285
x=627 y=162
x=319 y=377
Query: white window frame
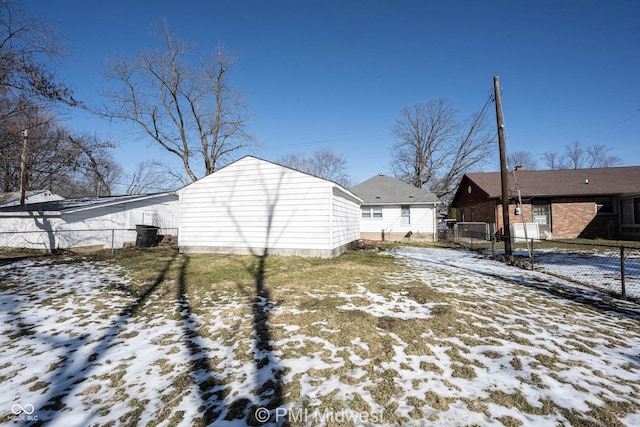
x=405 y=213
x=372 y=212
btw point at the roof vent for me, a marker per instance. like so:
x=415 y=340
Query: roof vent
x=411 y=196
x=377 y=197
x=380 y=174
x=586 y=180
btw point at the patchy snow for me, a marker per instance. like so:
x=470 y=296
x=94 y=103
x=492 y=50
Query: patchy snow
x=82 y=353
x=599 y=269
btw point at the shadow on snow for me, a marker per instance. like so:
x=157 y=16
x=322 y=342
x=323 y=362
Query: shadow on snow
x=582 y=295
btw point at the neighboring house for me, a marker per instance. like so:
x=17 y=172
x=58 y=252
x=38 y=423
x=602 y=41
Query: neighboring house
x=585 y=203
x=391 y=209
x=253 y=206
x=91 y=221
x=39 y=196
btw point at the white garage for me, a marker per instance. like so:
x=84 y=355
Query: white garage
x=253 y=206
x=103 y=222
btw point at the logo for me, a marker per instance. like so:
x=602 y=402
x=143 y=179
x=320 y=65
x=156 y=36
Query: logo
x=27 y=409
x=315 y=416
x=262 y=414
x=23 y=413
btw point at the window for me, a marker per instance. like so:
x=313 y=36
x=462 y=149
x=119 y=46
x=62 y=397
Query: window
x=604 y=206
x=626 y=211
x=405 y=213
x=371 y=212
x=542 y=214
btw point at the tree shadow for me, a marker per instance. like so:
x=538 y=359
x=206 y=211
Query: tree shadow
x=211 y=391
x=45 y=225
x=599 y=300
x=260 y=406
x=71 y=372
x=269 y=370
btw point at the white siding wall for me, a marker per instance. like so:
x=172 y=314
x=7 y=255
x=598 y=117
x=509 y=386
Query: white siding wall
x=251 y=205
x=422 y=220
x=89 y=227
x=28 y=232
x=122 y=218
x=346 y=218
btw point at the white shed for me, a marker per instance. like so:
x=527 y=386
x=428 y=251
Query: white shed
x=87 y=222
x=392 y=209
x=253 y=206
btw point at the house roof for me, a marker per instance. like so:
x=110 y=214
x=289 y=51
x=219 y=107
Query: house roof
x=381 y=189
x=557 y=183
x=80 y=204
x=32 y=196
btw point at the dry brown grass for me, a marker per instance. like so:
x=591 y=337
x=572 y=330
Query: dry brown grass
x=307 y=297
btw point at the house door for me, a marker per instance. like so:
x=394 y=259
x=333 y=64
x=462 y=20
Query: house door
x=542 y=215
x=405 y=212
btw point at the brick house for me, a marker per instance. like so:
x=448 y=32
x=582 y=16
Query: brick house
x=565 y=204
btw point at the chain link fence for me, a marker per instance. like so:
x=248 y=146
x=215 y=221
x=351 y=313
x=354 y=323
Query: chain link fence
x=610 y=266
x=613 y=269
x=467 y=233
x=85 y=240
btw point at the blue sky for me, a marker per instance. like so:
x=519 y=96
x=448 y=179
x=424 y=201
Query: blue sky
x=337 y=74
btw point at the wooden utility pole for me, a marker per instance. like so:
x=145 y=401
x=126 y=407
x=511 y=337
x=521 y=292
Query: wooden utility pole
x=23 y=167
x=504 y=173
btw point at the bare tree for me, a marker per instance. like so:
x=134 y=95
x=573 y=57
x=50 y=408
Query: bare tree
x=435 y=149
x=524 y=159
x=598 y=157
x=70 y=165
x=576 y=156
x=94 y=167
x=192 y=112
x=322 y=163
x=28 y=47
x=552 y=160
x=150 y=177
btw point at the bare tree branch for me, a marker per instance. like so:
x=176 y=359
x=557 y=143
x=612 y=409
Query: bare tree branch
x=575 y=156
x=28 y=47
x=434 y=149
x=189 y=111
x=524 y=159
x=322 y=163
x=151 y=177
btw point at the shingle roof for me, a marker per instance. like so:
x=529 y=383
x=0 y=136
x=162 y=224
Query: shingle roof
x=567 y=182
x=381 y=189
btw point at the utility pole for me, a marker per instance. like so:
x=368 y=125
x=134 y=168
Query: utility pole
x=504 y=173
x=23 y=166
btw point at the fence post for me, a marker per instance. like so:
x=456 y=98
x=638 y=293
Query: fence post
x=531 y=254
x=113 y=233
x=622 y=274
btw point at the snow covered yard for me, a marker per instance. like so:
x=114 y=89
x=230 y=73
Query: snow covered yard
x=426 y=337
x=600 y=269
